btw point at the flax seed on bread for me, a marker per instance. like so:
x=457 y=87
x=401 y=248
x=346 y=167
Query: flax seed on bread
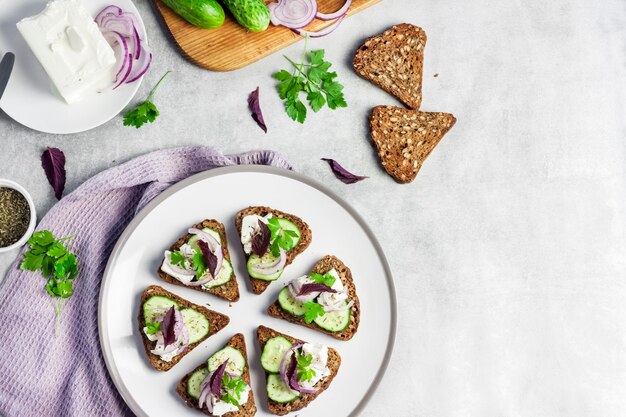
x=246 y=410
x=334 y=361
x=217 y=322
x=324 y=265
x=404 y=138
x=228 y=291
x=394 y=61
x=259 y=285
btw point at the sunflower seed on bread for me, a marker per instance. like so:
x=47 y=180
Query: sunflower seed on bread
x=404 y=138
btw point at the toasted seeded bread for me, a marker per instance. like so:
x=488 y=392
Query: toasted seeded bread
x=326 y=264
x=404 y=138
x=394 y=62
x=246 y=410
x=228 y=291
x=217 y=322
x=259 y=285
x=334 y=361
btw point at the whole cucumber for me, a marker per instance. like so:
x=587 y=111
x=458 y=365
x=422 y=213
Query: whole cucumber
x=251 y=14
x=206 y=14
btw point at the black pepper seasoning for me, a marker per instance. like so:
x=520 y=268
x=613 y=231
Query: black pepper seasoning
x=14 y=216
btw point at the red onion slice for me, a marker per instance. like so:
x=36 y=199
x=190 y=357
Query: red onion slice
x=292 y=14
x=109 y=10
x=339 y=13
x=322 y=32
x=262 y=269
x=205 y=390
x=122 y=24
x=288 y=373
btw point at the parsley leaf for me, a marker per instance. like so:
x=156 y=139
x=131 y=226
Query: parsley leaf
x=145 y=112
x=312 y=311
x=153 y=327
x=304 y=373
x=326 y=279
x=314 y=79
x=233 y=387
x=56 y=263
x=197 y=262
x=177 y=258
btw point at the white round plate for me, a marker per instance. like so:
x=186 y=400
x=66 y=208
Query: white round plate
x=30 y=97
x=220 y=194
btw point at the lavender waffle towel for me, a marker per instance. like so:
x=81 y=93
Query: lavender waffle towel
x=44 y=375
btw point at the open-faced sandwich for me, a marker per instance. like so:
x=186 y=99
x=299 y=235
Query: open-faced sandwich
x=324 y=300
x=271 y=240
x=221 y=386
x=200 y=260
x=296 y=371
x=171 y=326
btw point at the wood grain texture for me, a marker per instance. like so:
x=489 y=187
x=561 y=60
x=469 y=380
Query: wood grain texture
x=231 y=46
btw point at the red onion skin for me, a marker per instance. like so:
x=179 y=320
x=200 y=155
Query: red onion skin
x=336 y=15
x=279 y=18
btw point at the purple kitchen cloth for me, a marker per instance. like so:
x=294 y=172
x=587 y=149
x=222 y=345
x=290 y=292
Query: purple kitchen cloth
x=46 y=375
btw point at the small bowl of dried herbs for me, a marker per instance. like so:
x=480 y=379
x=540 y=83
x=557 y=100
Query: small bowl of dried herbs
x=17 y=215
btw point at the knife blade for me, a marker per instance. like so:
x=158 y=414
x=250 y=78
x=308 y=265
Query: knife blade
x=6 y=66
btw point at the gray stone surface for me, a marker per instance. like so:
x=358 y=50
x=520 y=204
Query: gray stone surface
x=509 y=248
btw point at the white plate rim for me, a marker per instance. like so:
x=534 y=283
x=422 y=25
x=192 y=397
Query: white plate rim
x=130 y=228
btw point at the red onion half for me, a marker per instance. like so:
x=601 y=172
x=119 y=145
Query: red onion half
x=296 y=14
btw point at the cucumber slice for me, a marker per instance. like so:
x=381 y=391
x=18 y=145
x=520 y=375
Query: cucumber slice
x=155 y=305
x=290 y=304
x=289 y=225
x=273 y=353
x=194 y=381
x=278 y=391
x=195 y=238
x=236 y=362
x=334 y=321
x=257 y=260
x=226 y=272
x=196 y=323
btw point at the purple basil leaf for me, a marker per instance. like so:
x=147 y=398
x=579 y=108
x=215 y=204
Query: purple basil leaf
x=309 y=288
x=53 y=163
x=255 y=108
x=210 y=260
x=167 y=327
x=216 y=379
x=261 y=240
x=343 y=174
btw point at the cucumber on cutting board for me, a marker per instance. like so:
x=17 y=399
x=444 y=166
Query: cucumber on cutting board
x=156 y=305
x=290 y=304
x=196 y=323
x=334 y=321
x=273 y=353
x=236 y=362
x=251 y=14
x=194 y=381
x=206 y=14
x=278 y=391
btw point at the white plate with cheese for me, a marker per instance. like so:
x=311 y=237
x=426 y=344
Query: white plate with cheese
x=31 y=97
x=337 y=229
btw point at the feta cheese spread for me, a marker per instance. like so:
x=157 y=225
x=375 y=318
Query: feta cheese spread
x=69 y=45
x=319 y=363
x=249 y=227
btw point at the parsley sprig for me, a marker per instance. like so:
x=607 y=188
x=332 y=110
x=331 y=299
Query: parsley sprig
x=145 y=112
x=232 y=388
x=312 y=310
x=153 y=328
x=56 y=263
x=280 y=238
x=327 y=279
x=313 y=78
x=304 y=372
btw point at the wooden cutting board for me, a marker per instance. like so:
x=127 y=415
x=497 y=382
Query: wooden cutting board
x=231 y=46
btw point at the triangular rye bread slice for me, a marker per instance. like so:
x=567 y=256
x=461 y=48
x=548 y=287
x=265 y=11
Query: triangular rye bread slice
x=228 y=291
x=404 y=138
x=217 y=322
x=334 y=361
x=394 y=61
x=326 y=264
x=259 y=285
x=246 y=410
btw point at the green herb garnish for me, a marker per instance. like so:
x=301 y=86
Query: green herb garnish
x=153 y=327
x=326 y=279
x=145 y=112
x=304 y=372
x=312 y=311
x=280 y=238
x=56 y=262
x=197 y=262
x=177 y=258
x=233 y=388
x=314 y=79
